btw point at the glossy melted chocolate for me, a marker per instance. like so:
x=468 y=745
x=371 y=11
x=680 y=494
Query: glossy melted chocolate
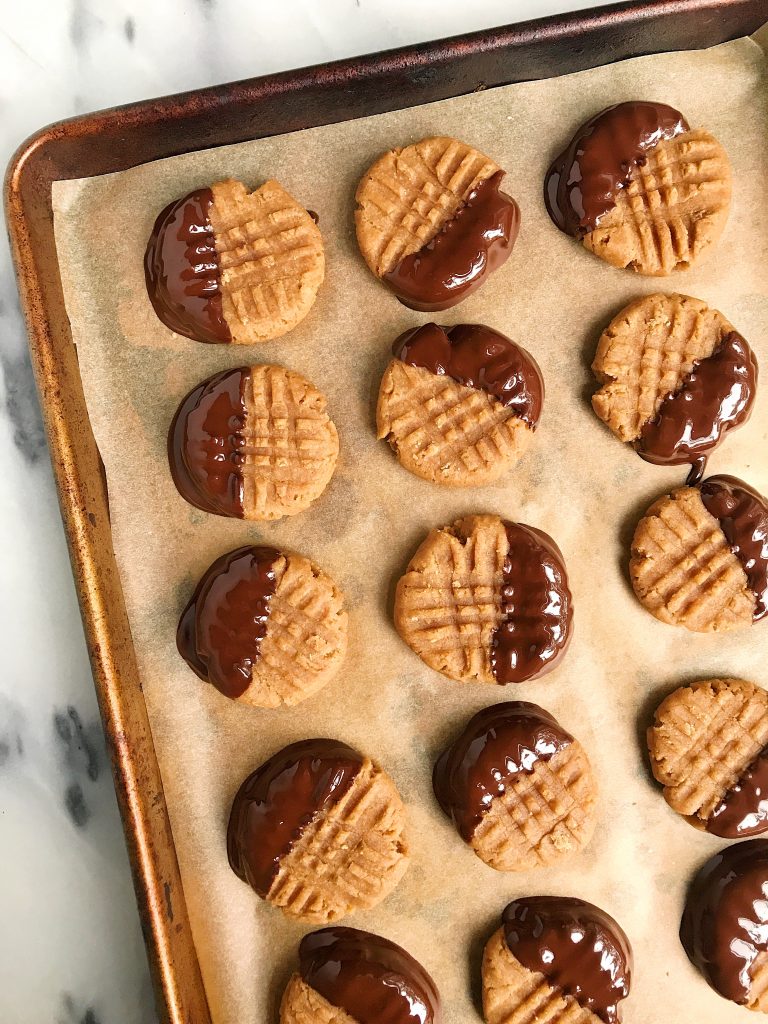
x=714 y=397
x=481 y=358
x=743 y=811
x=497 y=745
x=725 y=922
x=582 y=183
x=470 y=246
x=181 y=268
x=576 y=946
x=370 y=978
x=221 y=629
x=743 y=517
x=276 y=803
x=205 y=444
x=536 y=605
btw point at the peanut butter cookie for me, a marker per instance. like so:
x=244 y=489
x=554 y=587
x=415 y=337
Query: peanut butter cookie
x=432 y=222
x=318 y=831
x=226 y=265
x=641 y=189
x=253 y=443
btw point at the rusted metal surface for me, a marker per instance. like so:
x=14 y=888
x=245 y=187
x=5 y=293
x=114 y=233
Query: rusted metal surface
x=113 y=140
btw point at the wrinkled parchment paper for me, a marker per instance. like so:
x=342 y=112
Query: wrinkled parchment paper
x=577 y=482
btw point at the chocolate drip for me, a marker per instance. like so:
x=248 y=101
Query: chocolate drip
x=481 y=358
x=181 y=268
x=276 y=803
x=536 y=606
x=582 y=183
x=714 y=397
x=743 y=811
x=470 y=246
x=370 y=978
x=221 y=629
x=743 y=517
x=497 y=745
x=576 y=946
x=723 y=928
x=205 y=444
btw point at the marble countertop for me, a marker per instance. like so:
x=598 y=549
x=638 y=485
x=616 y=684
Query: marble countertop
x=71 y=950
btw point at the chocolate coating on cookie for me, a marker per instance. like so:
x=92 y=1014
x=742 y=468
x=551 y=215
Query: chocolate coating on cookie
x=743 y=517
x=576 y=946
x=536 y=605
x=716 y=396
x=497 y=745
x=723 y=928
x=478 y=357
x=743 y=811
x=477 y=240
x=368 y=977
x=205 y=444
x=181 y=269
x=221 y=629
x=582 y=182
x=276 y=803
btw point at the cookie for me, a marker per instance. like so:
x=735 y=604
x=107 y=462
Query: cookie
x=265 y=627
x=459 y=405
x=555 y=959
x=723 y=925
x=347 y=976
x=700 y=556
x=252 y=443
x=641 y=189
x=486 y=601
x=225 y=265
x=318 y=831
x=676 y=377
x=709 y=750
x=433 y=223
x=518 y=787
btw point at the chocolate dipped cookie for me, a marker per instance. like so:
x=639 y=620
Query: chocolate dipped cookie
x=318 y=830
x=459 y=405
x=224 y=265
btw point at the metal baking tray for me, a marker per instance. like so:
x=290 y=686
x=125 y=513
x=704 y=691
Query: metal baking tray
x=113 y=140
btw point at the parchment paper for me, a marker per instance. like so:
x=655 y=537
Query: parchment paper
x=577 y=482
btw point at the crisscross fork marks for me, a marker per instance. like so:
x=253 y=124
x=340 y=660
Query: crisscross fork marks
x=704 y=736
x=406 y=197
x=674 y=208
x=645 y=354
x=290 y=444
x=301 y=1004
x=512 y=994
x=544 y=815
x=306 y=637
x=683 y=570
x=448 y=603
x=349 y=857
x=271 y=258
x=445 y=432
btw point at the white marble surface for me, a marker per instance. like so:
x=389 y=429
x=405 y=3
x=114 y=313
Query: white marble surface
x=70 y=946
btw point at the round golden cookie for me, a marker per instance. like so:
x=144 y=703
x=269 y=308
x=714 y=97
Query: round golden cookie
x=646 y=352
x=683 y=570
x=555 y=959
x=408 y=195
x=486 y=600
x=265 y=627
x=673 y=210
x=271 y=258
x=706 y=746
x=318 y=830
x=254 y=443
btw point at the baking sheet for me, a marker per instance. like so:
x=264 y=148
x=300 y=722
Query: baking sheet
x=576 y=482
